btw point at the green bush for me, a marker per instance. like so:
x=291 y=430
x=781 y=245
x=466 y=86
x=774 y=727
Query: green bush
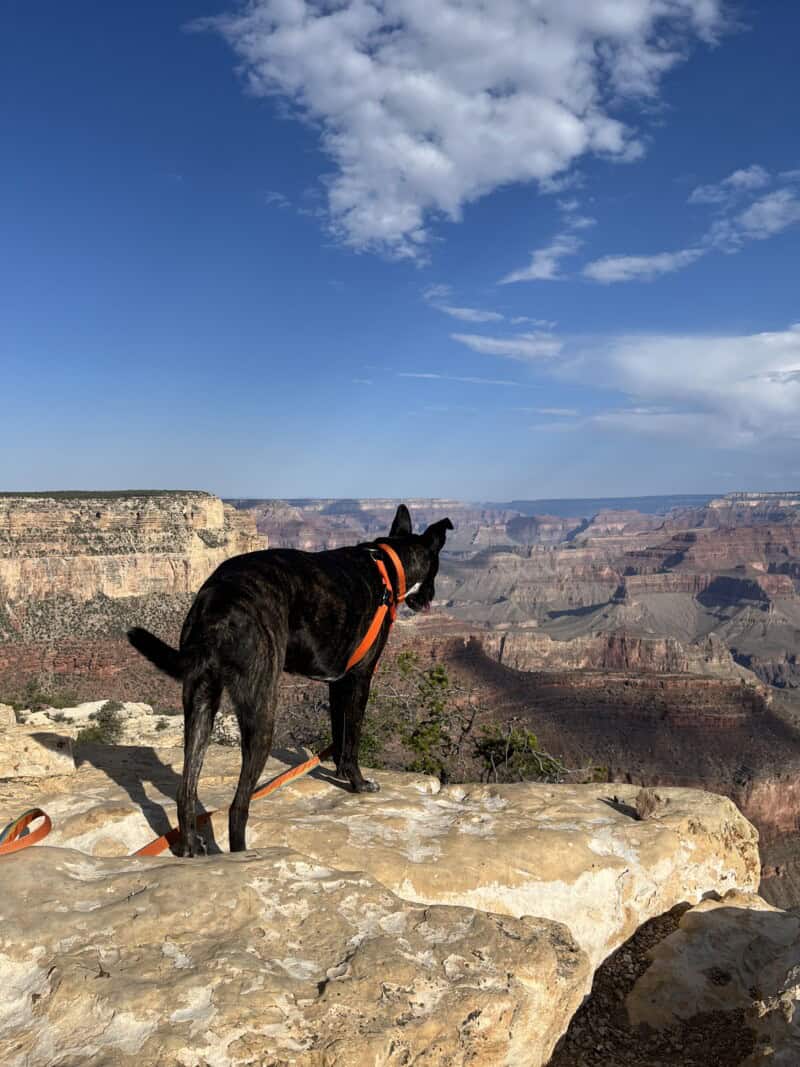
x=106 y=728
x=430 y=738
x=512 y=754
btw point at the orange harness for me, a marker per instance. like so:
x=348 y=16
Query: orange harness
x=389 y=603
x=13 y=837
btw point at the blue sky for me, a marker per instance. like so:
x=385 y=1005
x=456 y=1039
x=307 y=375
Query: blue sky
x=523 y=249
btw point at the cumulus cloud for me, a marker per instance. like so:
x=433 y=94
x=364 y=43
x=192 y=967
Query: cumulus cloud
x=523 y=347
x=642 y=268
x=732 y=390
x=426 y=105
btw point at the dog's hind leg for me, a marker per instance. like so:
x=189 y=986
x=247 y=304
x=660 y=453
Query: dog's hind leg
x=254 y=698
x=348 y=701
x=202 y=692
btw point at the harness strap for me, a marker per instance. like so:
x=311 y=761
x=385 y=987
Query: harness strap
x=388 y=604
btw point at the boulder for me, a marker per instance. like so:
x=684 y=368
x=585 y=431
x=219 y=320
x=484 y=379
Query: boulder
x=582 y=862
x=265 y=957
x=31 y=753
x=567 y=853
x=8 y=716
x=734 y=954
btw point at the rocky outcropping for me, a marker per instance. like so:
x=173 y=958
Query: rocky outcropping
x=267 y=958
x=737 y=954
x=27 y=753
x=532 y=650
x=86 y=565
x=115 y=545
x=285 y=955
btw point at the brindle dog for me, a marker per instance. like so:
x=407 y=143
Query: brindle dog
x=283 y=610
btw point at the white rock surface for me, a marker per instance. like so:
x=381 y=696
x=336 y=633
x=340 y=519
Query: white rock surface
x=32 y=753
x=738 y=953
x=561 y=853
x=139 y=723
x=265 y=958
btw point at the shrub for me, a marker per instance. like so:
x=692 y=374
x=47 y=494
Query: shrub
x=513 y=754
x=106 y=728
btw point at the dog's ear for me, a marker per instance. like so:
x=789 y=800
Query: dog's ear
x=401 y=527
x=435 y=535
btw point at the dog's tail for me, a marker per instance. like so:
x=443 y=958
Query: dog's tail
x=167 y=659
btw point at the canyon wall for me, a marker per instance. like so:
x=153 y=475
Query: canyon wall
x=64 y=557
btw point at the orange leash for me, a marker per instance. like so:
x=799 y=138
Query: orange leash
x=11 y=839
x=155 y=848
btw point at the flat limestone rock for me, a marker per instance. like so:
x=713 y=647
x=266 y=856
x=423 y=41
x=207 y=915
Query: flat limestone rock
x=734 y=954
x=265 y=957
x=138 y=723
x=567 y=853
x=30 y=753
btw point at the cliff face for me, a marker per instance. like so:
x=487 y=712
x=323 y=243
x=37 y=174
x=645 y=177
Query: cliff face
x=530 y=650
x=118 y=547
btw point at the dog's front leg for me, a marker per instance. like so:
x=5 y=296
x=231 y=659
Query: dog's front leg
x=348 y=701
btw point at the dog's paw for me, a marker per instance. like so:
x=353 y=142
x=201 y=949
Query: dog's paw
x=367 y=785
x=196 y=846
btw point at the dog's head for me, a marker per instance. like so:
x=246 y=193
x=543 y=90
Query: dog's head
x=422 y=562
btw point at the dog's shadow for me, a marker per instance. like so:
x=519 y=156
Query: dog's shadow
x=131 y=766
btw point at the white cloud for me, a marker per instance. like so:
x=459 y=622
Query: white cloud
x=426 y=105
x=545 y=262
x=573 y=217
x=561 y=427
x=523 y=347
x=731 y=229
x=732 y=390
x=543 y=324
x=769 y=215
x=459 y=378
x=744 y=180
x=684 y=425
x=565 y=413
x=275 y=199
x=470 y=314
x=436 y=294
x=641 y=268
